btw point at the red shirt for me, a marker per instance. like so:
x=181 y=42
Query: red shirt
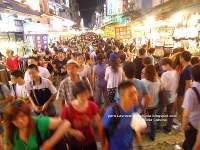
x=12 y=63
x=82 y=121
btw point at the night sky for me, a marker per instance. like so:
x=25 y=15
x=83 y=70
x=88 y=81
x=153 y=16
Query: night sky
x=87 y=8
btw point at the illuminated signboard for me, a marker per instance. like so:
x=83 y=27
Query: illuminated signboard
x=34 y=4
x=114 y=7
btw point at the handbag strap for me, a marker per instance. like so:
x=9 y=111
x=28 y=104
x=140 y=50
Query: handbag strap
x=197 y=93
x=35 y=97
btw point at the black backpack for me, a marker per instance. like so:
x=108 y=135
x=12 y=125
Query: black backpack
x=114 y=122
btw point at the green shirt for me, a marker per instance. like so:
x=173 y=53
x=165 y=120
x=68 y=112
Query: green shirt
x=42 y=124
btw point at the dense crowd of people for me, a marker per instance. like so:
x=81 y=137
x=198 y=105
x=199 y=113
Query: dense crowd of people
x=90 y=90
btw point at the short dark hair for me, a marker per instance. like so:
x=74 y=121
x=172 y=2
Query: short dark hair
x=125 y=84
x=148 y=60
x=186 y=55
x=17 y=74
x=195 y=60
x=129 y=69
x=142 y=51
x=100 y=57
x=151 y=50
x=34 y=58
x=80 y=87
x=122 y=57
x=166 y=61
x=196 y=72
x=33 y=66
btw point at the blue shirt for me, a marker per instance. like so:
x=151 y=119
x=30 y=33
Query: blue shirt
x=122 y=137
x=100 y=70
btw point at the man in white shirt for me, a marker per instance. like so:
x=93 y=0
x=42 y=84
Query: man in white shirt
x=42 y=92
x=169 y=82
x=19 y=90
x=42 y=71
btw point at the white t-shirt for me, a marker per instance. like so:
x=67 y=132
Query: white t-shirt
x=87 y=70
x=42 y=92
x=113 y=78
x=153 y=89
x=20 y=91
x=45 y=83
x=43 y=73
x=169 y=81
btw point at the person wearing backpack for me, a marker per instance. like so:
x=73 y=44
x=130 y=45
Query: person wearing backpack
x=191 y=112
x=117 y=119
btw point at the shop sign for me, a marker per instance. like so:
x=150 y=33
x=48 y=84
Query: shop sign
x=36 y=28
x=11 y=25
x=108 y=31
x=185 y=33
x=114 y=7
x=167 y=30
x=123 y=32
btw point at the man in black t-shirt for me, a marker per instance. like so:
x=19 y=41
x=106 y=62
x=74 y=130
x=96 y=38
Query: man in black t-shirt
x=59 y=64
x=59 y=67
x=185 y=76
x=138 y=61
x=185 y=81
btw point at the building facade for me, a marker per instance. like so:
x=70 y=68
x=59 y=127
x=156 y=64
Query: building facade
x=32 y=24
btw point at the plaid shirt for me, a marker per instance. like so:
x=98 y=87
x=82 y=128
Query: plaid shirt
x=65 y=90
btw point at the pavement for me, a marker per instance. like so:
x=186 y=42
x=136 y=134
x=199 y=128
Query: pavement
x=164 y=141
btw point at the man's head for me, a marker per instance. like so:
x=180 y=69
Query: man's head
x=81 y=91
x=80 y=58
x=166 y=63
x=185 y=57
x=128 y=93
x=33 y=60
x=142 y=51
x=129 y=70
x=196 y=72
x=60 y=55
x=33 y=71
x=72 y=68
x=147 y=61
x=195 y=60
x=17 y=76
x=9 y=52
x=151 y=51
